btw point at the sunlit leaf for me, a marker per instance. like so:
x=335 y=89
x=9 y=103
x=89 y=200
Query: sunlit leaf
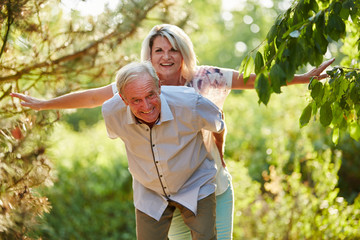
x=338 y=114
x=248 y=67
x=336 y=135
x=355 y=93
x=344 y=13
x=354 y=130
x=312 y=83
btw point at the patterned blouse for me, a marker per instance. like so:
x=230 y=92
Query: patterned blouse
x=215 y=84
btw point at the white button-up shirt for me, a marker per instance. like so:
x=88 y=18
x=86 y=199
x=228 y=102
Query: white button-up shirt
x=168 y=161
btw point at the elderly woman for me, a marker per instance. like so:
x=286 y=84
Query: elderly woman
x=171 y=53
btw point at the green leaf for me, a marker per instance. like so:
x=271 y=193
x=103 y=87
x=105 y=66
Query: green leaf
x=344 y=13
x=259 y=62
x=342 y=88
x=306 y=115
x=335 y=27
x=317 y=92
x=313 y=82
x=262 y=87
x=247 y=67
x=269 y=52
x=277 y=78
x=320 y=41
x=354 y=130
x=336 y=136
x=320 y=20
x=326 y=114
x=272 y=33
x=355 y=94
x=337 y=6
x=338 y=114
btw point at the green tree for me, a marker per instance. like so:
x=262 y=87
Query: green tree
x=302 y=35
x=49 y=53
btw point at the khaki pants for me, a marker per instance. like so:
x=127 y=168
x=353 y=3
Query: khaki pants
x=202 y=225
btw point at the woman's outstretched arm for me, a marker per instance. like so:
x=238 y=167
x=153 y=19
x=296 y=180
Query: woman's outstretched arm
x=83 y=99
x=238 y=80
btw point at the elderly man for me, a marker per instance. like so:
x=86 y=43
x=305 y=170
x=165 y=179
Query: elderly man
x=169 y=163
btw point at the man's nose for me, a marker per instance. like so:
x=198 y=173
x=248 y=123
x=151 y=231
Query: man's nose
x=146 y=104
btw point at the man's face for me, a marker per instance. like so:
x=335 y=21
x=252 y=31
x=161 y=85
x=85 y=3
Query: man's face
x=143 y=98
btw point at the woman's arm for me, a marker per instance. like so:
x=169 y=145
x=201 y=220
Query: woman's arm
x=83 y=99
x=238 y=80
x=219 y=139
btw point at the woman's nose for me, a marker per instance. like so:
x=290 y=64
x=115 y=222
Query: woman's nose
x=166 y=55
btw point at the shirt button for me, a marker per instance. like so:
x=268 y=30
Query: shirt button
x=156 y=161
x=153 y=145
x=161 y=176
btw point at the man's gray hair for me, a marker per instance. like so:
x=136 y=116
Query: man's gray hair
x=179 y=40
x=133 y=71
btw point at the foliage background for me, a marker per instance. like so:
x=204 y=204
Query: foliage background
x=289 y=182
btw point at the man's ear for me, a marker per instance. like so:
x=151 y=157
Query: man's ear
x=126 y=103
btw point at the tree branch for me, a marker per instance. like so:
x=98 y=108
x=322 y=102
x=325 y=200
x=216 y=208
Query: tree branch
x=10 y=21
x=80 y=53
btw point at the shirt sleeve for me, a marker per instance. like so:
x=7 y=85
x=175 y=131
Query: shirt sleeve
x=208 y=115
x=111 y=111
x=114 y=88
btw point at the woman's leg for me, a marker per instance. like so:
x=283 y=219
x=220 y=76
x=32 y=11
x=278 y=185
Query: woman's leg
x=225 y=214
x=178 y=229
x=224 y=219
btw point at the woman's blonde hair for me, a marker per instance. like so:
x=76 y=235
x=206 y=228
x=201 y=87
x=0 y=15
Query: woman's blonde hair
x=179 y=40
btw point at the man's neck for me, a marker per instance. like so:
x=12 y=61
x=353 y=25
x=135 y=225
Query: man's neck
x=150 y=125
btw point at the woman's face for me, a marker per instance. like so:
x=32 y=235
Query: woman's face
x=166 y=60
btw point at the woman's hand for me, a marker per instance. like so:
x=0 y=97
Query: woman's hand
x=315 y=72
x=28 y=101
